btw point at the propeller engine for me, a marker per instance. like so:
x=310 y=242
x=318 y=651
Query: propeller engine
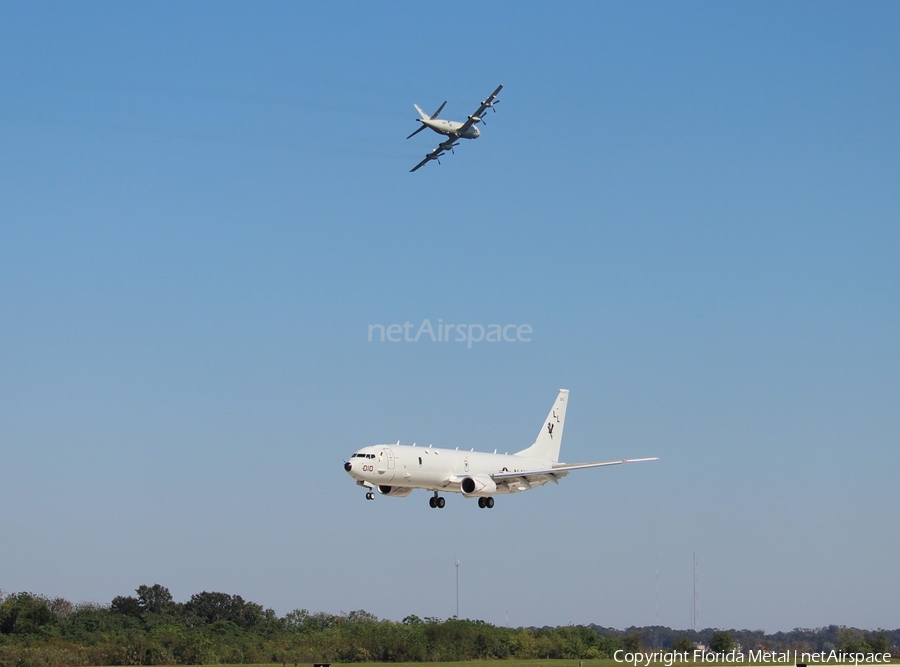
x=486 y=105
x=490 y=105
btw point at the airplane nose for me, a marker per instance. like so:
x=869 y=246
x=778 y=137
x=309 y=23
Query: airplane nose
x=347 y=466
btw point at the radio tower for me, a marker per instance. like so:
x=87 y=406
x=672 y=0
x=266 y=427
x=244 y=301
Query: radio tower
x=695 y=611
x=656 y=620
x=457 y=587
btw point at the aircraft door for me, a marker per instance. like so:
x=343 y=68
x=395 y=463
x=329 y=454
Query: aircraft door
x=388 y=465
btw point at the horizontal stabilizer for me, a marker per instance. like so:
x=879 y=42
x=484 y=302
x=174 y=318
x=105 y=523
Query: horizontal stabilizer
x=417 y=131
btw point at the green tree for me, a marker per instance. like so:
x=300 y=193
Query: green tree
x=24 y=614
x=61 y=608
x=295 y=621
x=212 y=607
x=721 y=642
x=878 y=642
x=92 y=623
x=154 y=599
x=682 y=645
x=607 y=646
x=127 y=606
x=361 y=616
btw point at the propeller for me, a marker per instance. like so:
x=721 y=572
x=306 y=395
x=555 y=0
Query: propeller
x=487 y=105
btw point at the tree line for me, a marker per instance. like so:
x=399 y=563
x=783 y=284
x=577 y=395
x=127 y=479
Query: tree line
x=150 y=628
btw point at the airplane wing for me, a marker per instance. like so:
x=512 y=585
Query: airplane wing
x=554 y=474
x=427 y=158
x=485 y=105
x=442 y=148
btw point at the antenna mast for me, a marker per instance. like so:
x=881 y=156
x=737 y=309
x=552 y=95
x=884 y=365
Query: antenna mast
x=457 y=587
x=695 y=611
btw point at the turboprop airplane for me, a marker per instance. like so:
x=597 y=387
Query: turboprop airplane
x=452 y=129
x=395 y=470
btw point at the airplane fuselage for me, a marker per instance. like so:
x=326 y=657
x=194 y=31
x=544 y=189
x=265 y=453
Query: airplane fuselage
x=451 y=127
x=434 y=469
x=395 y=470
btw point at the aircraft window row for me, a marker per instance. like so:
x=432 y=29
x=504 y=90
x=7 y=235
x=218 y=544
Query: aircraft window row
x=363 y=456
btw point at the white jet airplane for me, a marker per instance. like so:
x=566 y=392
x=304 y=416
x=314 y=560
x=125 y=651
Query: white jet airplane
x=395 y=470
x=451 y=128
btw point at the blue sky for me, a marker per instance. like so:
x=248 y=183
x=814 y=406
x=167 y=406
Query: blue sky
x=694 y=206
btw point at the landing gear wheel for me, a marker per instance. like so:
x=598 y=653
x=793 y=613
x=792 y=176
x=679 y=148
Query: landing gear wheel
x=432 y=502
x=489 y=502
x=370 y=495
x=481 y=503
x=441 y=502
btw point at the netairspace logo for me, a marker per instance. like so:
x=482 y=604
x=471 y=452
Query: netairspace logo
x=771 y=658
x=445 y=333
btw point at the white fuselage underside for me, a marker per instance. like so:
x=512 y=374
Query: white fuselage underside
x=449 y=127
x=439 y=469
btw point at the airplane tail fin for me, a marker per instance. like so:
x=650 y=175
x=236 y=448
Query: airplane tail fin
x=546 y=446
x=425 y=116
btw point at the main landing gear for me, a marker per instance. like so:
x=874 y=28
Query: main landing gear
x=370 y=495
x=486 y=502
x=436 y=501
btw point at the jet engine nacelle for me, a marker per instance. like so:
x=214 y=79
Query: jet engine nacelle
x=394 y=491
x=478 y=485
